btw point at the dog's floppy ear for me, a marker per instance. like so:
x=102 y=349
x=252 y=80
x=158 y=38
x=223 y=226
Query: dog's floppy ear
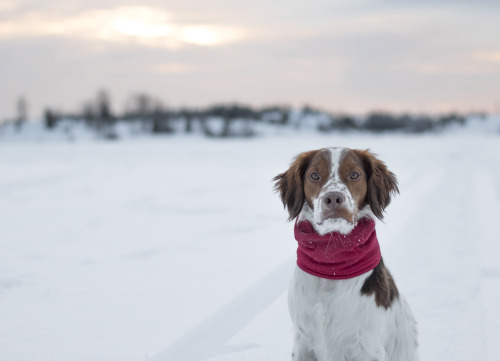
x=290 y=184
x=381 y=183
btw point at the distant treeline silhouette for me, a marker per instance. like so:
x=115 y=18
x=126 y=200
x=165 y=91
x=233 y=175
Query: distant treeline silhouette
x=147 y=114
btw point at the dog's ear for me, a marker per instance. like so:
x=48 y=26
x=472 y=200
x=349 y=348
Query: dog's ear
x=381 y=183
x=290 y=184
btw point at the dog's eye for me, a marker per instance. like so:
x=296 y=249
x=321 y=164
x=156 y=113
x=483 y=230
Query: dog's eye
x=314 y=176
x=355 y=175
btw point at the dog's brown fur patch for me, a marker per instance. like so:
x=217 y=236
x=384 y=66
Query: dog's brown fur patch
x=290 y=184
x=382 y=183
x=382 y=285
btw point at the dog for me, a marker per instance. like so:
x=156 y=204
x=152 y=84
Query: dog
x=343 y=301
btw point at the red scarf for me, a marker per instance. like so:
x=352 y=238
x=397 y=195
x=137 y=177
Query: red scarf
x=336 y=256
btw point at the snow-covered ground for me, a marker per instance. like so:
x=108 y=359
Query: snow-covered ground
x=176 y=248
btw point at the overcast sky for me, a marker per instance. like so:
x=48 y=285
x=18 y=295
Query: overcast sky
x=345 y=55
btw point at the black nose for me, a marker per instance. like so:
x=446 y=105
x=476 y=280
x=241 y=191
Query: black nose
x=333 y=200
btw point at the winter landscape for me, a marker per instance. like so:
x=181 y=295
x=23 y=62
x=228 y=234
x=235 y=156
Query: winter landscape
x=177 y=248
x=139 y=140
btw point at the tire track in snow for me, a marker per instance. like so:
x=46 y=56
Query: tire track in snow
x=436 y=262
x=488 y=206
x=405 y=205
x=209 y=337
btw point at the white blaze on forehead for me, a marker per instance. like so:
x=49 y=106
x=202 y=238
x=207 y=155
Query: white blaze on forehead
x=334 y=183
x=335 y=158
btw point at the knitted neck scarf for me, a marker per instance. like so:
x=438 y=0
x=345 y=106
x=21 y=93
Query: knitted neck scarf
x=336 y=256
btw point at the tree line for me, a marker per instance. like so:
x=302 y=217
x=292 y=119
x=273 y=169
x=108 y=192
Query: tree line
x=149 y=115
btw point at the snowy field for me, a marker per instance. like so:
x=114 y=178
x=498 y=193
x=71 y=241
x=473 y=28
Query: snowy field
x=178 y=249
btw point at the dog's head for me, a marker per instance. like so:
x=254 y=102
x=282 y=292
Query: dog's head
x=335 y=187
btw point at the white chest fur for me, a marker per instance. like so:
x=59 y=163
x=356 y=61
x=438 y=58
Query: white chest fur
x=333 y=321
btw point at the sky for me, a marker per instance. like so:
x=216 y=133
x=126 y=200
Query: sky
x=350 y=56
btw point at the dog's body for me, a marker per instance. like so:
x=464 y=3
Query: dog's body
x=334 y=321
x=362 y=318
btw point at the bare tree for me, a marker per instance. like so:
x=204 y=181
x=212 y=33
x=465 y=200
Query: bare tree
x=22 y=113
x=104 y=112
x=50 y=118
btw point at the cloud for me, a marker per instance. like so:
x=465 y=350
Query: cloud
x=144 y=25
x=489 y=56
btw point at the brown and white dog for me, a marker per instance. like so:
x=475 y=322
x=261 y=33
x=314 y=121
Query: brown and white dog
x=363 y=318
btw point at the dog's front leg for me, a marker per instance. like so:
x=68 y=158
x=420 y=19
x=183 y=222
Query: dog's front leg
x=302 y=350
x=363 y=354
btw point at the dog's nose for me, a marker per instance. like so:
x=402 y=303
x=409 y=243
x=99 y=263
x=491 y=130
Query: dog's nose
x=333 y=200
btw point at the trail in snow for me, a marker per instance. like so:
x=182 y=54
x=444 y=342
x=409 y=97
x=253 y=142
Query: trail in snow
x=488 y=204
x=209 y=337
x=406 y=204
x=435 y=260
